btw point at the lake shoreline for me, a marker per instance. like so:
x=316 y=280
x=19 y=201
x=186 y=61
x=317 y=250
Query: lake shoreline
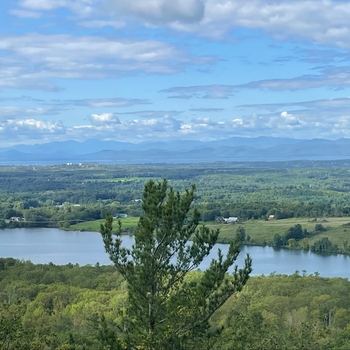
x=219 y=241
x=42 y=245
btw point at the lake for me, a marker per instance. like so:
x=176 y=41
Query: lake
x=43 y=245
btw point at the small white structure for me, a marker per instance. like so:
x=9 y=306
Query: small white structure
x=231 y=220
x=16 y=218
x=121 y=216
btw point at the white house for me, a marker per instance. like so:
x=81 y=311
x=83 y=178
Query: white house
x=231 y=220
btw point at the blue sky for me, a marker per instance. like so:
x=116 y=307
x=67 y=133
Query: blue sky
x=148 y=70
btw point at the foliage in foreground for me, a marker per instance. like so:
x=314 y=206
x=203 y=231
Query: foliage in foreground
x=74 y=308
x=167 y=309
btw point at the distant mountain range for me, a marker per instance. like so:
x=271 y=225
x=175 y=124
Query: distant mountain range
x=181 y=151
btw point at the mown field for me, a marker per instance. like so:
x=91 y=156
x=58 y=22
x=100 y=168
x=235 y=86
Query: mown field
x=261 y=232
x=95 y=225
x=264 y=231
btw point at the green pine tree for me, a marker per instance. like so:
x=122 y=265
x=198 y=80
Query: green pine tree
x=169 y=307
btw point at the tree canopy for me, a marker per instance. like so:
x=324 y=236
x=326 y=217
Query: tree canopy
x=169 y=307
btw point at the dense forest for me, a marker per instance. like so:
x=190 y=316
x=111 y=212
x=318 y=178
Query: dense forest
x=75 y=307
x=64 y=194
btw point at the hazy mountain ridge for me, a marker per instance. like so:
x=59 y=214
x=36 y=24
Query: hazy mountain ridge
x=181 y=151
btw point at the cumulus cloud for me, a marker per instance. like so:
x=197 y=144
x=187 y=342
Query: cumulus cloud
x=290 y=119
x=106 y=126
x=327 y=118
x=134 y=130
x=104 y=118
x=204 y=122
x=32 y=124
x=282 y=124
x=30 y=129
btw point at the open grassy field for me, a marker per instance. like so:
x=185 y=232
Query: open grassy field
x=260 y=231
x=264 y=231
x=129 y=222
x=127 y=179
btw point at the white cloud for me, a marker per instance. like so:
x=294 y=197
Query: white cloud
x=33 y=124
x=158 y=11
x=186 y=129
x=330 y=77
x=33 y=60
x=282 y=124
x=201 y=91
x=104 y=118
x=27 y=130
x=103 y=102
x=25 y=13
x=214 y=18
x=289 y=119
x=326 y=105
x=149 y=122
x=282 y=19
x=43 y=4
x=15 y=112
x=80 y=7
x=45 y=55
x=324 y=22
x=57 y=49
x=101 y=23
x=237 y=121
x=106 y=126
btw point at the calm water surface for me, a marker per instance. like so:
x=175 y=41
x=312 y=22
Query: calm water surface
x=42 y=245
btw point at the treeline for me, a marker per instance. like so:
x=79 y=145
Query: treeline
x=295 y=234
x=57 y=307
x=74 y=307
x=262 y=210
x=58 y=195
x=63 y=215
x=66 y=214
x=297 y=237
x=287 y=312
x=56 y=216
